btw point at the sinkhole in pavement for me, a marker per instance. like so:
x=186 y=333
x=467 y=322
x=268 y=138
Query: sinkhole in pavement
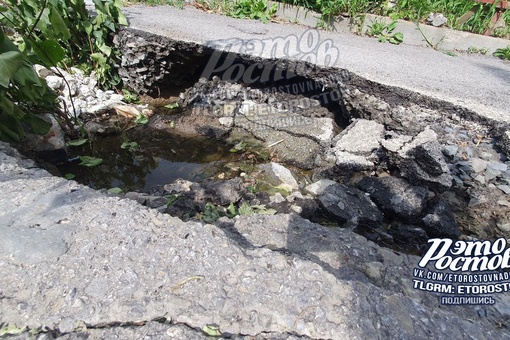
x=396 y=166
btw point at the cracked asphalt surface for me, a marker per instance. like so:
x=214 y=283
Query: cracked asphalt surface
x=479 y=83
x=77 y=263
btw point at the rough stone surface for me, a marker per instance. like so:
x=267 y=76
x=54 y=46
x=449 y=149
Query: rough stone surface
x=279 y=175
x=409 y=235
x=394 y=142
x=224 y=192
x=349 y=161
x=296 y=127
x=494 y=169
x=178 y=186
x=317 y=188
x=51 y=146
x=82 y=95
x=395 y=196
x=423 y=162
x=437 y=19
x=360 y=138
x=478 y=164
x=350 y=205
x=71 y=257
x=440 y=222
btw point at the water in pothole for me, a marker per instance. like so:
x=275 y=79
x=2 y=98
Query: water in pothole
x=142 y=158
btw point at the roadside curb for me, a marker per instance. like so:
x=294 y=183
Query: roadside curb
x=445 y=38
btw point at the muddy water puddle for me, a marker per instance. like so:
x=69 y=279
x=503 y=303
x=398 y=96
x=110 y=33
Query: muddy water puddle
x=142 y=158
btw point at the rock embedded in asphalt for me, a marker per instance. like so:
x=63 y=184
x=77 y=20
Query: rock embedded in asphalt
x=395 y=196
x=351 y=206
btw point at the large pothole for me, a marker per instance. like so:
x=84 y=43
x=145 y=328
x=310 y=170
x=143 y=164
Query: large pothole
x=396 y=166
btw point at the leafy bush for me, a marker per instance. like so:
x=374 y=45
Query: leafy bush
x=56 y=31
x=51 y=33
x=21 y=92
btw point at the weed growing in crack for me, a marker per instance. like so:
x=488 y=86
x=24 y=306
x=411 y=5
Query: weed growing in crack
x=503 y=53
x=384 y=32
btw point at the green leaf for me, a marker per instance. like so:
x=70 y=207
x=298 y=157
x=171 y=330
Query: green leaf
x=11 y=329
x=232 y=211
x=107 y=50
x=58 y=24
x=245 y=209
x=397 y=38
x=8 y=135
x=382 y=39
x=10 y=63
x=211 y=213
x=212 y=330
x=122 y=19
x=172 y=106
x=391 y=27
x=51 y=52
x=98 y=57
x=77 y=142
x=115 y=191
x=129 y=145
x=90 y=161
x=171 y=199
x=37 y=125
x=69 y=176
x=261 y=209
x=241 y=146
x=141 y=120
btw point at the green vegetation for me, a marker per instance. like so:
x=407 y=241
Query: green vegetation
x=22 y=93
x=89 y=161
x=130 y=97
x=503 y=53
x=476 y=50
x=50 y=33
x=413 y=10
x=62 y=32
x=384 y=32
x=212 y=213
x=253 y=9
x=176 y=3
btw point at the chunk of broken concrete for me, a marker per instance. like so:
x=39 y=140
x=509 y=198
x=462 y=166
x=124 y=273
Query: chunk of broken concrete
x=347 y=204
x=395 y=196
x=361 y=137
x=422 y=162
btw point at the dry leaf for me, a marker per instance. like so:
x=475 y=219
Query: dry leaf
x=127 y=111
